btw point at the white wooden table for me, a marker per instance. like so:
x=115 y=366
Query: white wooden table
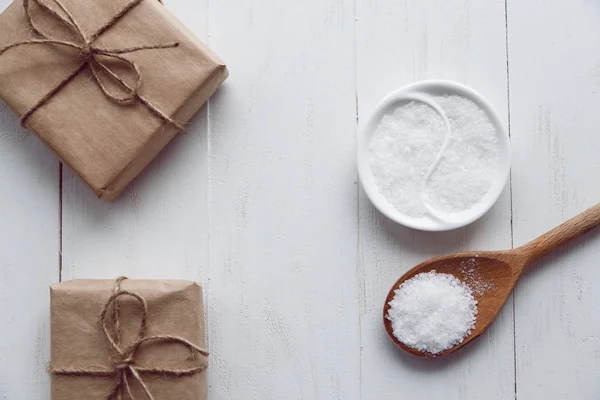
x=260 y=202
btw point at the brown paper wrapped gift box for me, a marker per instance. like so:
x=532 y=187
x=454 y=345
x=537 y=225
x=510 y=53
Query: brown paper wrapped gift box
x=106 y=143
x=79 y=343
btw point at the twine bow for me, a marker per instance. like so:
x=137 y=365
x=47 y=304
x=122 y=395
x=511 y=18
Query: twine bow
x=124 y=366
x=92 y=56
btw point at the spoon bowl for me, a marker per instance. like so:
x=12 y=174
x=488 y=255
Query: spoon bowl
x=491 y=275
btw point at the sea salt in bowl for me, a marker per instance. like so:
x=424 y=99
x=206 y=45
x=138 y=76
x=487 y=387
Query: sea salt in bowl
x=434 y=107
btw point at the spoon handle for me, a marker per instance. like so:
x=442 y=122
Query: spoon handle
x=560 y=235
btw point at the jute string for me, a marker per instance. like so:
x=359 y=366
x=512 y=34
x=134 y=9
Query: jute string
x=92 y=56
x=124 y=366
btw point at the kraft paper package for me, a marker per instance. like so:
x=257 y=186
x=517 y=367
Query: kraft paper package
x=125 y=338
x=106 y=84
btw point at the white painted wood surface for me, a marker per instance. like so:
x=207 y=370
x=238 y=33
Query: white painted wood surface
x=554 y=50
x=29 y=257
x=29 y=237
x=259 y=202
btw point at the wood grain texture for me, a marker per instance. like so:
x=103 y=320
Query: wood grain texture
x=563 y=234
x=398 y=43
x=29 y=237
x=259 y=202
x=29 y=245
x=554 y=50
x=283 y=233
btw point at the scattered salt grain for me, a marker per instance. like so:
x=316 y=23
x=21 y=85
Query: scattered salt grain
x=407 y=143
x=473 y=278
x=432 y=312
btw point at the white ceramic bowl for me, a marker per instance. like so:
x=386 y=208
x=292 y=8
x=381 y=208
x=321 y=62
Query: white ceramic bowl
x=416 y=92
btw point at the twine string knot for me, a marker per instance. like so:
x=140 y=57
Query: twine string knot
x=123 y=364
x=86 y=50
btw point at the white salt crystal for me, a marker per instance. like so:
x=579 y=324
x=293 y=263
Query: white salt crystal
x=407 y=142
x=473 y=278
x=432 y=312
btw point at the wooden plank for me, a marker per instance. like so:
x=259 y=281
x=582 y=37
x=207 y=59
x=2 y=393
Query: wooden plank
x=398 y=43
x=283 y=304
x=29 y=233
x=29 y=237
x=554 y=52
x=159 y=227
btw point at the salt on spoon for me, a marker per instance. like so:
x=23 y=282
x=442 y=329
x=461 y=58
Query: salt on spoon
x=498 y=271
x=432 y=312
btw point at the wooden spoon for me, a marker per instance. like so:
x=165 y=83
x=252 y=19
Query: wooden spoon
x=497 y=270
